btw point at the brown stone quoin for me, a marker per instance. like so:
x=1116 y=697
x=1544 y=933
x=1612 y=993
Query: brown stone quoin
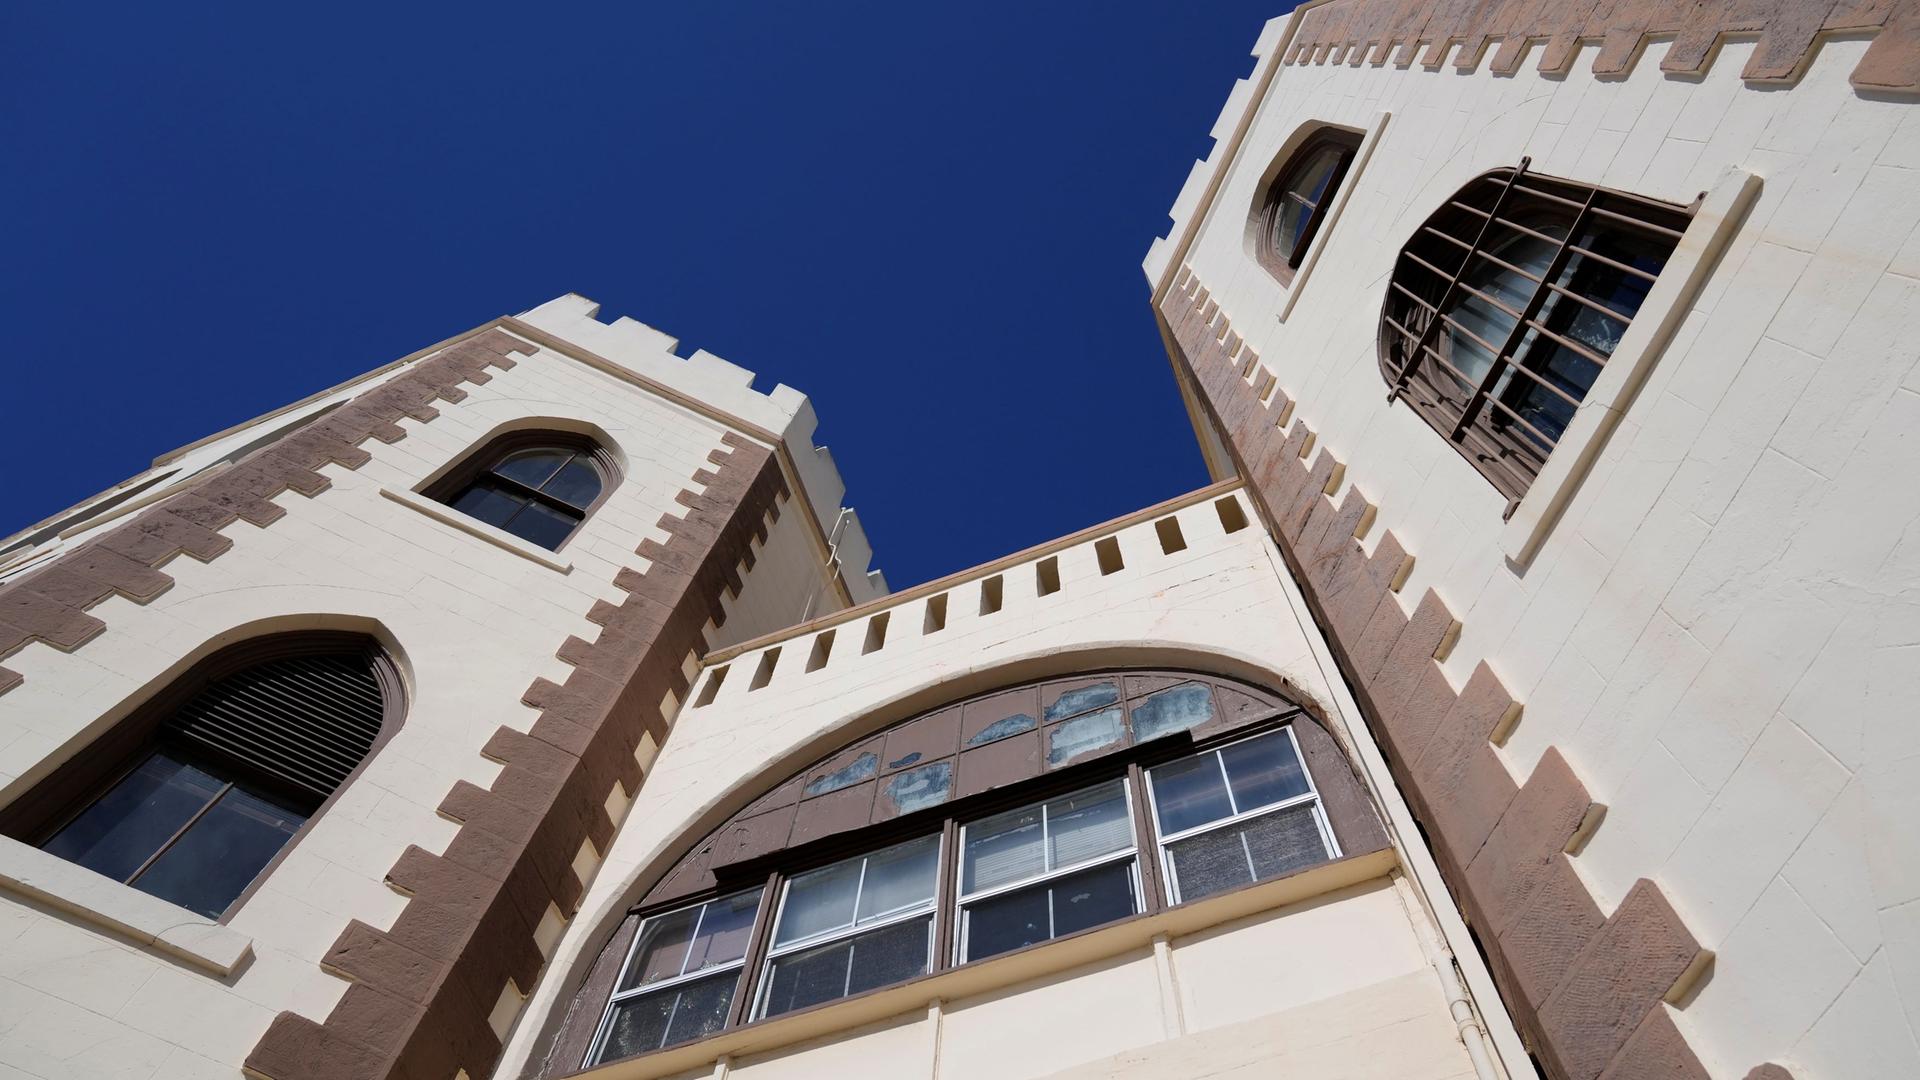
x=1586 y=988
x=422 y=992
x=49 y=604
x=1352 y=31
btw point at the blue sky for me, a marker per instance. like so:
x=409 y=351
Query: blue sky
x=930 y=218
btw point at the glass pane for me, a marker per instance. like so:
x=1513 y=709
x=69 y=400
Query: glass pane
x=861 y=962
x=533 y=467
x=542 y=525
x=900 y=877
x=819 y=901
x=1004 y=728
x=1177 y=709
x=661 y=951
x=861 y=768
x=1012 y=920
x=1263 y=771
x=1093 y=897
x=1075 y=702
x=1050 y=909
x=485 y=502
x=576 y=484
x=1529 y=253
x=678 y=1014
x=124 y=827
x=220 y=855
x=724 y=931
x=1309 y=182
x=1002 y=848
x=1088 y=824
x=917 y=789
x=1249 y=851
x=1083 y=735
x=1189 y=792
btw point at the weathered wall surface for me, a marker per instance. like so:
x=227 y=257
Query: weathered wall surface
x=361 y=940
x=1716 y=636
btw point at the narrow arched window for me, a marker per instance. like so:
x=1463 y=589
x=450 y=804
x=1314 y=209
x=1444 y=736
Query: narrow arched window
x=538 y=486
x=1296 y=201
x=1506 y=304
x=200 y=790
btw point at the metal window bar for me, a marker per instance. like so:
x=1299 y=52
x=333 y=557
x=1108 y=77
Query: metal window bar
x=1453 y=283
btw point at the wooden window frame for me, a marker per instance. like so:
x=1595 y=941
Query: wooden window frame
x=71 y=788
x=480 y=463
x=946 y=822
x=1284 y=265
x=1481 y=428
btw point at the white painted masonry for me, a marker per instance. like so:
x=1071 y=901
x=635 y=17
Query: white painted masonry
x=95 y=979
x=1719 y=630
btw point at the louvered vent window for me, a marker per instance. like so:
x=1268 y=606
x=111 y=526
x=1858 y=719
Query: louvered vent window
x=231 y=772
x=1506 y=304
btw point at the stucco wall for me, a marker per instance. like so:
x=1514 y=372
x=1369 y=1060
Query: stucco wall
x=1220 y=604
x=472 y=624
x=1717 y=633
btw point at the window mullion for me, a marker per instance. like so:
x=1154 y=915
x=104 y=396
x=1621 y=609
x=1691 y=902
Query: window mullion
x=178 y=833
x=946 y=896
x=756 y=955
x=1151 y=899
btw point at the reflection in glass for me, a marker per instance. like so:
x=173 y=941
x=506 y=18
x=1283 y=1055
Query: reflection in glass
x=1081 y=699
x=1242 y=853
x=1050 y=909
x=666 y=1017
x=1081 y=735
x=917 y=789
x=1180 y=708
x=851 y=966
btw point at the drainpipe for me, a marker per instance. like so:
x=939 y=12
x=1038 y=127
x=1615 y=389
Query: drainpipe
x=1465 y=1019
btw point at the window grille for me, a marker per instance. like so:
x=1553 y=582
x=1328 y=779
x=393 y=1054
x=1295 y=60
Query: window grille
x=1508 y=301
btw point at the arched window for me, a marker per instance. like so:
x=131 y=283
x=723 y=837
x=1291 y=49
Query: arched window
x=999 y=823
x=1507 y=302
x=537 y=485
x=197 y=792
x=1296 y=201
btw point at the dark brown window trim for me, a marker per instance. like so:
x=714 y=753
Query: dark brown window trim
x=1280 y=191
x=480 y=461
x=772 y=871
x=1479 y=417
x=73 y=786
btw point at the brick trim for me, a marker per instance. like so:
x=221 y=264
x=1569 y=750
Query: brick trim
x=423 y=991
x=50 y=604
x=1586 y=988
x=1354 y=32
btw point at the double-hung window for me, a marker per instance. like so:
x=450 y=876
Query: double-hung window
x=1240 y=814
x=680 y=977
x=858 y=924
x=1046 y=870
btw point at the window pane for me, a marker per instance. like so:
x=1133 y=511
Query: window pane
x=576 y=484
x=542 y=525
x=691 y=1010
x=899 y=878
x=1177 y=709
x=1189 y=792
x=724 y=931
x=486 y=502
x=1084 y=734
x=819 y=901
x=1263 y=771
x=215 y=860
x=1309 y=182
x=862 y=962
x=1050 y=909
x=1088 y=824
x=1249 y=851
x=661 y=952
x=533 y=467
x=124 y=827
x=1077 y=701
x=1002 y=848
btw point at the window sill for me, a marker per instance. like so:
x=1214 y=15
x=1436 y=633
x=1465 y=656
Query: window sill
x=121 y=909
x=982 y=976
x=1669 y=301
x=1321 y=235
x=497 y=537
